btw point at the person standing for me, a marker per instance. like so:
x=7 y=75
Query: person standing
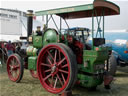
x=39 y=32
x=9 y=48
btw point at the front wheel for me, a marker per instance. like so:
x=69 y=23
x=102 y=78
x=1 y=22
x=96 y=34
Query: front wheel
x=56 y=68
x=15 y=68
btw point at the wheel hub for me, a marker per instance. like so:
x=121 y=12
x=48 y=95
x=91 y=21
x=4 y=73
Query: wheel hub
x=13 y=68
x=54 y=68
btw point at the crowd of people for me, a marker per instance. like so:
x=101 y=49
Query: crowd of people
x=7 y=49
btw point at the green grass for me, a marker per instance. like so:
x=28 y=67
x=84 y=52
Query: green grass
x=32 y=87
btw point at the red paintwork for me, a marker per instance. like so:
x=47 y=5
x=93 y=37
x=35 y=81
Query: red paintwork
x=34 y=74
x=69 y=38
x=48 y=60
x=97 y=48
x=108 y=79
x=15 y=68
x=79 y=55
x=62 y=37
x=125 y=51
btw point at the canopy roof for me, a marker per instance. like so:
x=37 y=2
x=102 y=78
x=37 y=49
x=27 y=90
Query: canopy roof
x=84 y=11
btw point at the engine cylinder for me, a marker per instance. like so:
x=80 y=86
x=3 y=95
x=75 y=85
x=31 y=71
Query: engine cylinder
x=31 y=51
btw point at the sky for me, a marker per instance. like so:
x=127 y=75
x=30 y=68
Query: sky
x=111 y=22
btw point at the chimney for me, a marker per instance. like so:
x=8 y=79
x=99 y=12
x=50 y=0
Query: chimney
x=29 y=22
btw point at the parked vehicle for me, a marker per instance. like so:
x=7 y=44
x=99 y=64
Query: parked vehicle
x=61 y=60
x=119 y=43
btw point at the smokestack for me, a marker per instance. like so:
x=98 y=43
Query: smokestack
x=29 y=22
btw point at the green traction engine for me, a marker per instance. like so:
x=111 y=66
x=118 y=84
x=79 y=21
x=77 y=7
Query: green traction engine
x=62 y=58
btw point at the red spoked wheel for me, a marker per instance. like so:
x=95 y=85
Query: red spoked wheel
x=56 y=68
x=15 y=68
x=34 y=73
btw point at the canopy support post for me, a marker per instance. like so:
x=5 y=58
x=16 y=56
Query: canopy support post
x=92 y=29
x=83 y=39
x=98 y=28
x=103 y=22
x=67 y=25
x=60 y=25
x=98 y=23
x=49 y=18
x=47 y=21
x=54 y=23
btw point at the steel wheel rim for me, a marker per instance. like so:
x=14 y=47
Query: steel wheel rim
x=61 y=73
x=13 y=66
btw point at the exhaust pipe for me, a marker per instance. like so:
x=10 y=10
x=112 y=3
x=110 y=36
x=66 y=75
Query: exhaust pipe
x=29 y=22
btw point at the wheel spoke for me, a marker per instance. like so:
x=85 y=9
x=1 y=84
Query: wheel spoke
x=47 y=77
x=13 y=74
x=16 y=74
x=63 y=77
x=66 y=65
x=48 y=65
x=52 y=81
x=50 y=55
x=63 y=71
x=49 y=61
x=48 y=70
x=61 y=61
x=14 y=67
x=10 y=71
x=60 y=79
x=55 y=82
x=17 y=66
x=55 y=56
x=13 y=60
x=10 y=66
x=59 y=56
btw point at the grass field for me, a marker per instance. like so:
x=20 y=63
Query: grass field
x=32 y=87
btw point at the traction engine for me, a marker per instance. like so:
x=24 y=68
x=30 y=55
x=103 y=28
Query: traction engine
x=61 y=60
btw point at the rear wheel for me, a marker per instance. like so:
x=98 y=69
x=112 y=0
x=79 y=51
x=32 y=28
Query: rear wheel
x=56 y=68
x=15 y=68
x=112 y=65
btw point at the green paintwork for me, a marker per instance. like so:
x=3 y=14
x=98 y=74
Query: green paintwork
x=32 y=61
x=93 y=62
x=31 y=51
x=65 y=10
x=50 y=36
x=37 y=41
x=89 y=81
